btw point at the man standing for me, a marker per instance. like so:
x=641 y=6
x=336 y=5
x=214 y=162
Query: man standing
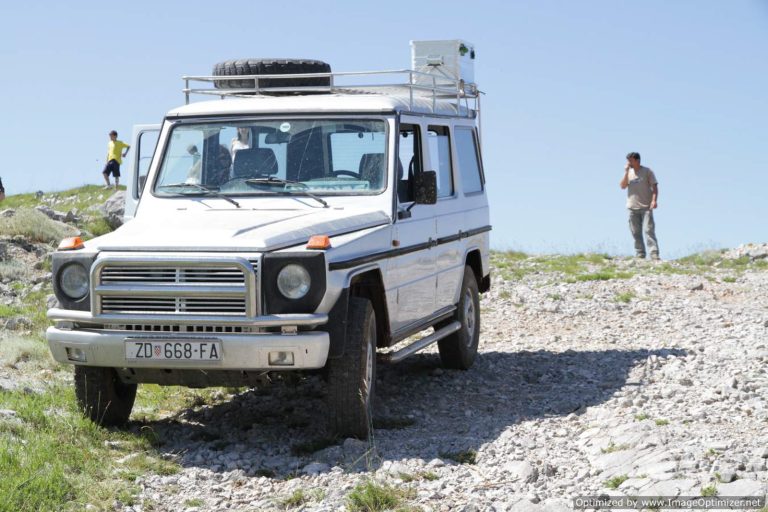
x=115 y=155
x=642 y=193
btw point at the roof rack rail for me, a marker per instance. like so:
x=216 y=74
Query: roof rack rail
x=419 y=86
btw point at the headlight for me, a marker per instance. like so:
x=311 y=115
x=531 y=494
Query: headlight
x=73 y=281
x=293 y=281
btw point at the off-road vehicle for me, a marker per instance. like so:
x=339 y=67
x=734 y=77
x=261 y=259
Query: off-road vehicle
x=306 y=219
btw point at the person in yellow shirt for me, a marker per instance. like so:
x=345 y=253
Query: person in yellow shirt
x=115 y=155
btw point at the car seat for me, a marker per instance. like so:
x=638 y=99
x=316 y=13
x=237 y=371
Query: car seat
x=255 y=162
x=371 y=169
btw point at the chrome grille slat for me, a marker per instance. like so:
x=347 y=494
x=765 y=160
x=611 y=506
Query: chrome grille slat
x=209 y=275
x=186 y=286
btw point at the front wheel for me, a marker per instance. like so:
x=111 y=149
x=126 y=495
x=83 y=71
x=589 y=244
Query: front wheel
x=352 y=377
x=102 y=396
x=458 y=350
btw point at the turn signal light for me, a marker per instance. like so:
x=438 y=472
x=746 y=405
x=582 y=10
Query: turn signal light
x=70 y=244
x=319 y=242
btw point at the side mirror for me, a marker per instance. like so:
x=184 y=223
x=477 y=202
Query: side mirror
x=425 y=187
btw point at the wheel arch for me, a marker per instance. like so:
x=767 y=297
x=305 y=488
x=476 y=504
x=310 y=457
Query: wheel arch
x=474 y=260
x=369 y=284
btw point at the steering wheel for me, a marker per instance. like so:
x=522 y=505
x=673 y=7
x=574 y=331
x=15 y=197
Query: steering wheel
x=344 y=172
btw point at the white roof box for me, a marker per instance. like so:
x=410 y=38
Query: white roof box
x=452 y=58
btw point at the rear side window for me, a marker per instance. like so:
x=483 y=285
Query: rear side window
x=439 y=145
x=469 y=162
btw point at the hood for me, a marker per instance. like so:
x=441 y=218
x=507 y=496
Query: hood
x=235 y=229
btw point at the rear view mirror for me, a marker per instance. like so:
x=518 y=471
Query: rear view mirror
x=425 y=187
x=277 y=138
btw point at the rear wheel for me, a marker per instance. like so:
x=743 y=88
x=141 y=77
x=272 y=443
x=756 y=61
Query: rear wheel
x=459 y=349
x=352 y=377
x=102 y=396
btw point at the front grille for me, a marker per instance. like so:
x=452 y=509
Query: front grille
x=144 y=275
x=133 y=304
x=199 y=287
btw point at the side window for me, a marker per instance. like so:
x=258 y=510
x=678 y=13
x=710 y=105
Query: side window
x=409 y=160
x=438 y=142
x=469 y=165
x=146 y=147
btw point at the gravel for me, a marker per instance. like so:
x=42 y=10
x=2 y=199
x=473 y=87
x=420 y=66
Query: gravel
x=666 y=393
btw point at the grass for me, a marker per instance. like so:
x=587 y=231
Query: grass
x=625 y=297
x=154 y=402
x=661 y=422
x=34 y=226
x=710 y=490
x=52 y=458
x=16 y=350
x=426 y=475
x=79 y=198
x=194 y=502
x=95 y=226
x=642 y=416
x=514 y=265
x=13 y=270
x=614 y=448
x=372 y=497
x=297 y=499
x=616 y=481
x=602 y=275
x=462 y=457
x=584 y=267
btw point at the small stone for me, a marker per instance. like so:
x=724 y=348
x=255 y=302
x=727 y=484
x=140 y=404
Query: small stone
x=727 y=476
x=521 y=470
x=315 y=468
x=697 y=287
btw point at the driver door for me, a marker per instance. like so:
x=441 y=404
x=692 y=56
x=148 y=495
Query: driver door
x=143 y=145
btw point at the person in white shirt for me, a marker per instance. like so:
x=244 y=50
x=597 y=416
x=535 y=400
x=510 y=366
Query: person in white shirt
x=242 y=141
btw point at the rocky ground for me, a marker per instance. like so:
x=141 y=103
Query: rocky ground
x=652 y=385
x=649 y=380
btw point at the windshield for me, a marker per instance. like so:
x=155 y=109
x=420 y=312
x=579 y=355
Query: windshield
x=267 y=157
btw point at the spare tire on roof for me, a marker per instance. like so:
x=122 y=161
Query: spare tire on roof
x=271 y=67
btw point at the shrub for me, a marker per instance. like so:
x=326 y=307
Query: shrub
x=35 y=226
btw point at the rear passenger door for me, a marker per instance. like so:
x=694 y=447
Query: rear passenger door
x=413 y=272
x=449 y=256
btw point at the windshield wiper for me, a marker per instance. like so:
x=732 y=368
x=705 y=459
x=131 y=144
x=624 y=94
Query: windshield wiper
x=279 y=181
x=204 y=189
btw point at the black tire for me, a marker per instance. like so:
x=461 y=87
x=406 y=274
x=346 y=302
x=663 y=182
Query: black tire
x=102 y=396
x=352 y=377
x=271 y=67
x=458 y=351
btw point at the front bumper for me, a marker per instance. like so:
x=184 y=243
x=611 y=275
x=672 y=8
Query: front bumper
x=239 y=351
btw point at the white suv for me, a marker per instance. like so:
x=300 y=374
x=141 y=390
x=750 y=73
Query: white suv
x=299 y=224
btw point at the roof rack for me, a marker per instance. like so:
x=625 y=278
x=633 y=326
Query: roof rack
x=419 y=86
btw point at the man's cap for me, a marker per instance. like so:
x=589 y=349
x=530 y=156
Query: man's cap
x=113 y=132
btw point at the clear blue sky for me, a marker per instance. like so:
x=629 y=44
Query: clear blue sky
x=571 y=88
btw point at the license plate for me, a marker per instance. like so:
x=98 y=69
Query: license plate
x=173 y=350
